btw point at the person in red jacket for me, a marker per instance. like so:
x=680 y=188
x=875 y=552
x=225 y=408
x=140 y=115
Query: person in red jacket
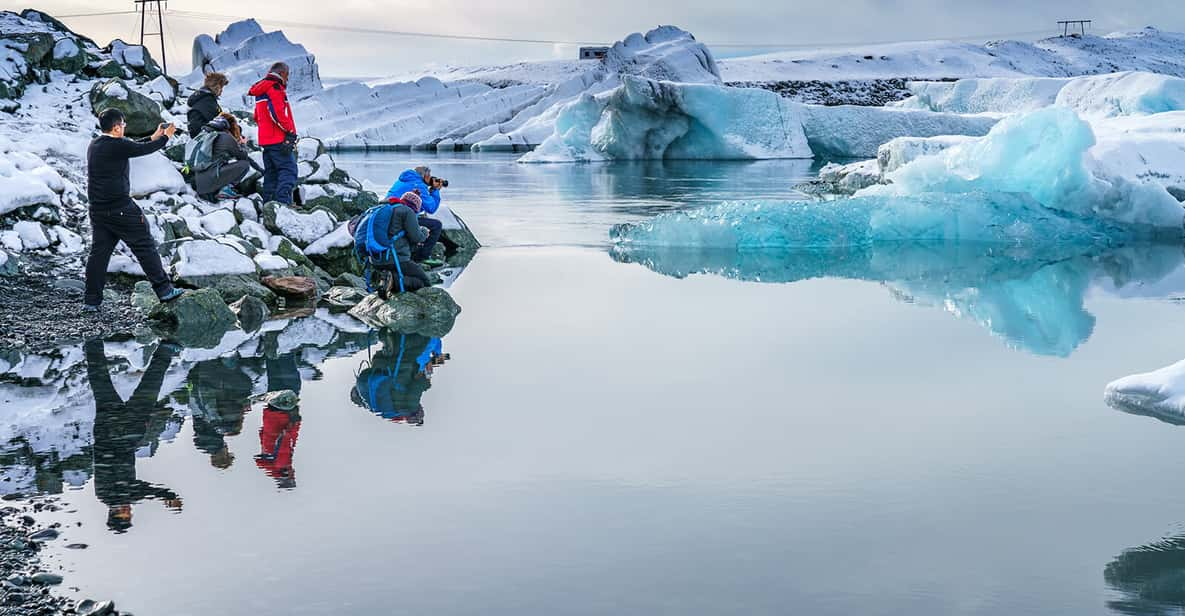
x=277 y=134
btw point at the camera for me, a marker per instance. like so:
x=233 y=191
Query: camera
x=443 y=182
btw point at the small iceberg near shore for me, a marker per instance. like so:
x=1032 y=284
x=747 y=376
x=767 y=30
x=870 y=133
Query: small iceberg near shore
x=1159 y=393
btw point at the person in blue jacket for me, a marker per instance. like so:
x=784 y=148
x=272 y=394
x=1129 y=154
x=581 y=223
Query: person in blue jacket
x=419 y=180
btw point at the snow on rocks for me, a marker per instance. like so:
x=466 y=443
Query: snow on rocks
x=24 y=184
x=155 y=173
x=201 y=258
x=302 y=228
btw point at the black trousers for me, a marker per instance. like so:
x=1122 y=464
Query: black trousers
x=108 y=228
x=435 y=234
x=413 y=275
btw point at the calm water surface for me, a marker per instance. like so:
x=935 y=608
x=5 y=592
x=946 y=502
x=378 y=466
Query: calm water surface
x=918 y=431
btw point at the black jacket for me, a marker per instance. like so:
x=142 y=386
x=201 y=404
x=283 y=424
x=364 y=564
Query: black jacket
x=203 y=107
x=107 y=183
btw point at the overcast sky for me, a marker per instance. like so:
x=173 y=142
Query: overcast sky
x=719 y=21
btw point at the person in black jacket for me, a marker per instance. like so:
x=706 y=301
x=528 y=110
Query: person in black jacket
x=230 y=160
x=203 y=104
x=121 y=428
x=114 y=216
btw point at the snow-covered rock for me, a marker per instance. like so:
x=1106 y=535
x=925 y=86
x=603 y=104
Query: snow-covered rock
x=339 y=238
x=154 y=173
x=198 y=258
x=302 y=228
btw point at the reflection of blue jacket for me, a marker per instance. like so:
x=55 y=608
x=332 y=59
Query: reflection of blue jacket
x=433 y=349
x=409 y=181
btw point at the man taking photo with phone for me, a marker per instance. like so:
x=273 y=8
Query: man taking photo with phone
x=114 y=216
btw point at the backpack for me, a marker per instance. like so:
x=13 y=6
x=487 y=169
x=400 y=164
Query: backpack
x=371 y=242
x=201 y=157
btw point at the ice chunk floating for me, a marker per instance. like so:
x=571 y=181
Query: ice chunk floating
x=1159 y=394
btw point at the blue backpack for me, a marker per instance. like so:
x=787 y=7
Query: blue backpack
x=370 y=246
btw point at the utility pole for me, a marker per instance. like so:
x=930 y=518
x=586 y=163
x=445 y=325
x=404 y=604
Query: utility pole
x=161 y=5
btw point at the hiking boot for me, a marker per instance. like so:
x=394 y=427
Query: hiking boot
x=90 y=309
x=227 y=192
x=432 y=262
x=171 y=295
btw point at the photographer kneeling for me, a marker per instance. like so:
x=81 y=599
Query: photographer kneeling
x=421 y=181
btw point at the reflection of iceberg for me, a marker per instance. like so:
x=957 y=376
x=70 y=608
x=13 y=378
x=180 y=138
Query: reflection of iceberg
x=1031 y=297
x=1150 y=578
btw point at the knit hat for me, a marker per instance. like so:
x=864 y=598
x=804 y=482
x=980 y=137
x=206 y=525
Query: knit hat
x=412 y=200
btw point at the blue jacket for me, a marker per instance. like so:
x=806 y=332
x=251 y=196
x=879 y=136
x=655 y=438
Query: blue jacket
x=409 y=181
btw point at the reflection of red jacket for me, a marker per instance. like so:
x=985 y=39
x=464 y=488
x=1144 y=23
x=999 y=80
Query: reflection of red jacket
x=273 y=114
x=277 y=442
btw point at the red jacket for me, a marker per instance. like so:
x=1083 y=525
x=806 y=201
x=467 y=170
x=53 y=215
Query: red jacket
x=273 y=114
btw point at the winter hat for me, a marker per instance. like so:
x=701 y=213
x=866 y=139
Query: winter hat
x=412 y=200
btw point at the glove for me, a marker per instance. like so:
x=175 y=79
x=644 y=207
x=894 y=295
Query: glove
x=290 y=140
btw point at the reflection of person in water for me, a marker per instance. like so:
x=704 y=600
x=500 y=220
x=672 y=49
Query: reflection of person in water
x=123 y=427
x=1151 y=578
x=277 y=440
x=399 y=374
x=219 y=397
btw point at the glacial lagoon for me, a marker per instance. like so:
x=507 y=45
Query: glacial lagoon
x=637 y=431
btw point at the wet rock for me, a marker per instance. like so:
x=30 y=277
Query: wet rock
x=43 y=535
x=349 y=280
x=292 y=287
x=430 y=312
x=142 y=114
x=46 y=579
x=9 y=264
x=198 y=318
x=88 y=607
x=283 y=400
x=143 y=297
x=234 y=286
x=344 y=297
x=70 y=285
x=251 y=312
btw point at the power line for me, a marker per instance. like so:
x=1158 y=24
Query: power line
x=506 y=39
x=97 y=14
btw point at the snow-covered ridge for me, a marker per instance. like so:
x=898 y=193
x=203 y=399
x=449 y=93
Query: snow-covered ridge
x=1148 y=50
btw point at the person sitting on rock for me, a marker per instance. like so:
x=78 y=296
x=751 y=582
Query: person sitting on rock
x=421 y=181
x=277 y=134
x=114 y=216
x=203 y=104
x=402 y=231
x=229 y=161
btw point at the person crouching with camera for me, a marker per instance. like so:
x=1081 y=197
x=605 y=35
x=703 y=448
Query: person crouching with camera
x=421 y=181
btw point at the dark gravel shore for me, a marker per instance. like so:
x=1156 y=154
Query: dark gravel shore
x=39 y=312
x=26 y=580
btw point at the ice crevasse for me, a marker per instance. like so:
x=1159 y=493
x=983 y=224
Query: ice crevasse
x=1031 y=179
